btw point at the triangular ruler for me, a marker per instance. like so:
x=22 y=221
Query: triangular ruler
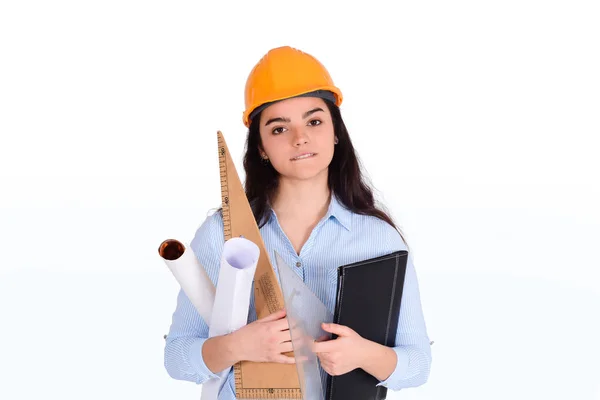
x=254 y=380
x=305 y=313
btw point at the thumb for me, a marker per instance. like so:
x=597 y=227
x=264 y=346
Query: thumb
x=322 y=338
x=274 y=316
x=340 y=330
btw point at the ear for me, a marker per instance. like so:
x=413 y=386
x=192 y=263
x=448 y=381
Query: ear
x=335 y=140
x=263 y=155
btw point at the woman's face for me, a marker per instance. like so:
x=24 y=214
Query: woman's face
x=298 y=137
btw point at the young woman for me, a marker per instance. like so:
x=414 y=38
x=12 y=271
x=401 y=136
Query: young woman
x=312 y=205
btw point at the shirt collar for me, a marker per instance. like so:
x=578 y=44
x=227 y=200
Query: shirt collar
x=339 y=212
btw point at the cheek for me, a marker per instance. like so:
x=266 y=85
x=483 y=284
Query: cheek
x=269 y=143
x=327 y=134
x=273 y=145
x=326 y=141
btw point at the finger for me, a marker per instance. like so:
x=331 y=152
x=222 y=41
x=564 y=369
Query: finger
x=322 y=338
x=285 y=347
x=325 y=347
x=283 y=336
x=280 y=324
x=274 y=316
x=295 y=325
x=280 y=358
x=313 y=343
x=301 y=359
x=339 y=330
x=324 y=361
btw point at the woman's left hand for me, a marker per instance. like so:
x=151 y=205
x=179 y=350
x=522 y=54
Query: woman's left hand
x=342 y=354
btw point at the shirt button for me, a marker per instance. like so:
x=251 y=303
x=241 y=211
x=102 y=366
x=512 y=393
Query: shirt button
x=298 y=264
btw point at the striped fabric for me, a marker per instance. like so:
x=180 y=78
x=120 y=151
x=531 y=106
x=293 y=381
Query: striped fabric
x=341 y=237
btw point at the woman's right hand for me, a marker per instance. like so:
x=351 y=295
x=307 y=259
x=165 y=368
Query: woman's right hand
x=265 y=339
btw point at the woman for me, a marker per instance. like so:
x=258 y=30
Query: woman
x=305 y=187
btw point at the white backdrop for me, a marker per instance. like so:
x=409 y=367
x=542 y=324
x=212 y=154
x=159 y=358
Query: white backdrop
x=476 y=121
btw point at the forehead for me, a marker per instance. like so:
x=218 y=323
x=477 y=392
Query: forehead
x=294 y=107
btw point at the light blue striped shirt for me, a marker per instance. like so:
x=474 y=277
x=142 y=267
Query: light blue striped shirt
x=341 y=237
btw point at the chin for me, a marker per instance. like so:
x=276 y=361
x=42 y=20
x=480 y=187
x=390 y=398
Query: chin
x=305 y=174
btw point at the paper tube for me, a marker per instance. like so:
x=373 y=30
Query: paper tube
x=191 y=275
x=232 y=299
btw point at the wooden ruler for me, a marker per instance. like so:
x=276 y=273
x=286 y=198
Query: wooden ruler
x=254 y=380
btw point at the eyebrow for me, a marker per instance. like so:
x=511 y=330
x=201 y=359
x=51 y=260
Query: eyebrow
x=306 y=114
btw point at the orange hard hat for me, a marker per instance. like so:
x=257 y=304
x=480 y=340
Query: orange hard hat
x=286 y=72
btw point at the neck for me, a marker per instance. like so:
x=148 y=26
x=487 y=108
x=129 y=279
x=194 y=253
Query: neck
x=304 y=199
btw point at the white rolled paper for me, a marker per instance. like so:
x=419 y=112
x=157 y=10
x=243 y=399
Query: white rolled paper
x=232 y=298
x=190 y=275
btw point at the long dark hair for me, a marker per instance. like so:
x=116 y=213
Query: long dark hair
x=345 y=179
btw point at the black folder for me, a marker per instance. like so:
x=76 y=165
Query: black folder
x=369 y=293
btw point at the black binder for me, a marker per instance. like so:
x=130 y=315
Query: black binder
x=368 y=300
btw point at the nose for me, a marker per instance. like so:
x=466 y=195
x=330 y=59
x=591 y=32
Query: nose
x=300 y=137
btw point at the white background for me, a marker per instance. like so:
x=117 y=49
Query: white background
x=477 y=122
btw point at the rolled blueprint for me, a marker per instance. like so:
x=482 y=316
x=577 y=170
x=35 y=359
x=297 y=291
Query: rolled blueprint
x=232 y=299
x=191 y=275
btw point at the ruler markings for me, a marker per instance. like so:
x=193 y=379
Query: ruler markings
x=265 y=284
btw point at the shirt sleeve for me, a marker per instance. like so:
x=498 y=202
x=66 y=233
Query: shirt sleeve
x=183 y=348
x=412 y=344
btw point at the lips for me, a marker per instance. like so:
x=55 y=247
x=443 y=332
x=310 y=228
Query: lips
x=303 y=156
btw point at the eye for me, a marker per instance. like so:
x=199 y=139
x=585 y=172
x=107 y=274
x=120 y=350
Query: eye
x=315 y=122
x=278 y=131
